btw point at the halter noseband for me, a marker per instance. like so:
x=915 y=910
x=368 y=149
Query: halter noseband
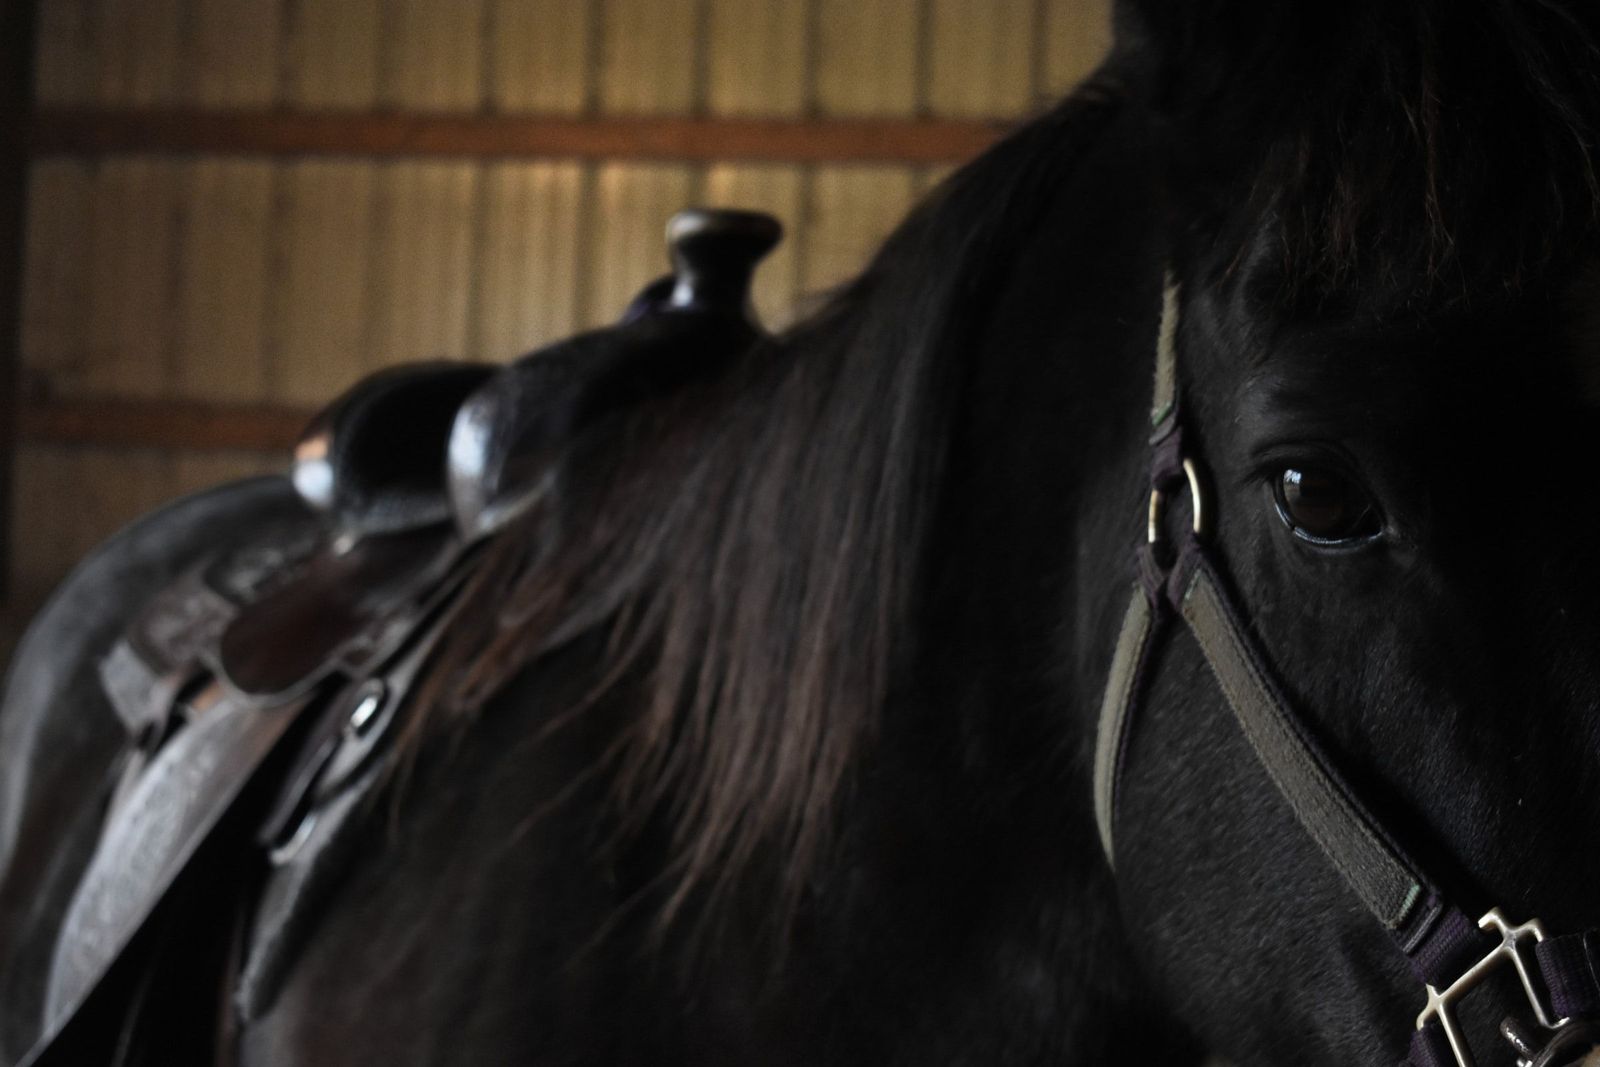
x=1560 y=976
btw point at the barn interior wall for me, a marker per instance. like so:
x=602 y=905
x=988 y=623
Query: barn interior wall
x=251 y=279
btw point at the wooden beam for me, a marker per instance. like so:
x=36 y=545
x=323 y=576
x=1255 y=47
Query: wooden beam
x=668 y=138
x=170 y=424
x=17 y=19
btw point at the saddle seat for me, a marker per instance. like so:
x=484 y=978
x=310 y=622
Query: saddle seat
x=370 y=462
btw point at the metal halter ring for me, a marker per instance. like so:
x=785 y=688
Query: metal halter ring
x=1158 y=500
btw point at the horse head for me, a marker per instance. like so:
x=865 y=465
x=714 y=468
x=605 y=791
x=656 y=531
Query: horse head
x=1381 y=244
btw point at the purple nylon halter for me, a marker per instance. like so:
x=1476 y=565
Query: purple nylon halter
x=1450 y=954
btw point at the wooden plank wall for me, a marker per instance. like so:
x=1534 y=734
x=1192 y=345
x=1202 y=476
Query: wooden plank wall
x=268 y=280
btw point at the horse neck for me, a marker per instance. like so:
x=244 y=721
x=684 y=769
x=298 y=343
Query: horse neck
x=982 y=769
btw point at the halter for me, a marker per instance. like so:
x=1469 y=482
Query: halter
x=1560 y=976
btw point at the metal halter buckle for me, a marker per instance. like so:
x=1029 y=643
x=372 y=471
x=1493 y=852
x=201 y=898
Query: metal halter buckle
x=1442 y=1005
x=1158 y=499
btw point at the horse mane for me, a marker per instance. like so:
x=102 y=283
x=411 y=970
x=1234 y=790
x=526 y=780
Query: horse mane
x=751 y=550
x=1399 y=154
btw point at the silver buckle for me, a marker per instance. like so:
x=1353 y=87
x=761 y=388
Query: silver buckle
x=1442 y=1006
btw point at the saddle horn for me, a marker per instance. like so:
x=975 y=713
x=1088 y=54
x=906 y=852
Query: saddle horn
x=715 y=255
x=509 y=435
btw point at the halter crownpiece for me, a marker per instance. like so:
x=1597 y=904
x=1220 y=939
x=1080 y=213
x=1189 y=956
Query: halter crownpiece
x=1559 y=976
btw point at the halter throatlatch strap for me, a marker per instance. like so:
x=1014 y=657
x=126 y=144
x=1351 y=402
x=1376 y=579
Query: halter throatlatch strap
x=1452 y=955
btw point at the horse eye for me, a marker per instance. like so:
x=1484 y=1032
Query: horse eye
x=1325 y=508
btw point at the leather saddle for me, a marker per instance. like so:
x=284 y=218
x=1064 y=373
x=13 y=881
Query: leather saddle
x=260 y=692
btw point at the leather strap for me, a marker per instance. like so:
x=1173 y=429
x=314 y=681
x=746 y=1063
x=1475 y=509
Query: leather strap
x=1381 y=876
x=1435 y=937
x=323 y=811
x=1570 y=965
x=1164 y=401
x=1127 y=667
x=1429 y=1048
x=1144 y=613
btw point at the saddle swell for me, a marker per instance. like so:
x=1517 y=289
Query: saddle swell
x=258 y=687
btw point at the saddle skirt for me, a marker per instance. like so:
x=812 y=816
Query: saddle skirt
x=267 y=701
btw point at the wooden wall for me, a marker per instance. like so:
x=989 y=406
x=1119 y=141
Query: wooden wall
x=180 y=289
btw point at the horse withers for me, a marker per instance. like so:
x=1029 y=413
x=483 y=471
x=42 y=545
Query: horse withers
x=907 y=686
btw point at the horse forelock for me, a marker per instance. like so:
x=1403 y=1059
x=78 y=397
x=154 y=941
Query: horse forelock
x=1393 y=155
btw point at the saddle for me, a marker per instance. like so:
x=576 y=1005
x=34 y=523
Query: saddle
x=261 y=692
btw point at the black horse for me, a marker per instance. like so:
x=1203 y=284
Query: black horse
x=752 y=686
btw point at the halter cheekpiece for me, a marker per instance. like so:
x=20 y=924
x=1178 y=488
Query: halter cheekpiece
x=1559 y=976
